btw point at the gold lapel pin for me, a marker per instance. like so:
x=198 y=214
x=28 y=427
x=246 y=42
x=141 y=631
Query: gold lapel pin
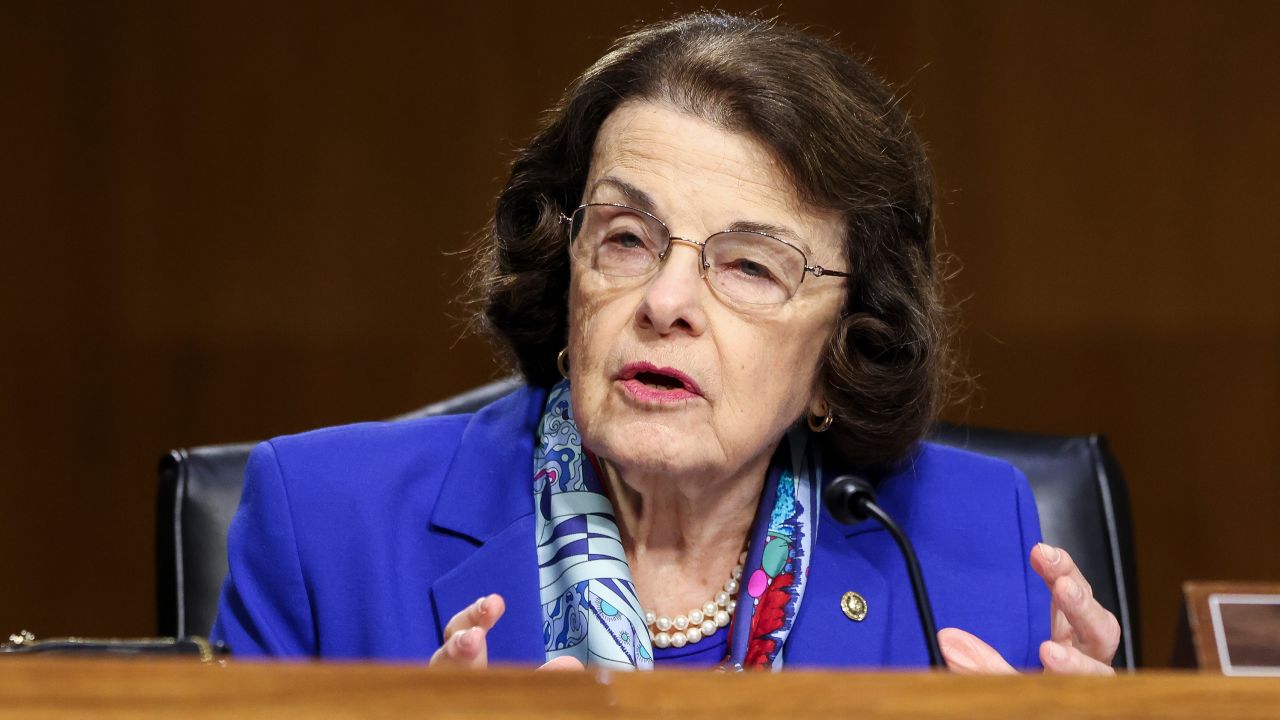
x=854 y=606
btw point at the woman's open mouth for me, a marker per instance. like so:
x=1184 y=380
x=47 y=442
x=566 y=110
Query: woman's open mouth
x=648 y=382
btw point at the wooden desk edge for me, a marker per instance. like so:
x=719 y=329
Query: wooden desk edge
x=66 y=687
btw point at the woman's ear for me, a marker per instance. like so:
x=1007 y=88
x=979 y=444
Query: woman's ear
x=818 y=406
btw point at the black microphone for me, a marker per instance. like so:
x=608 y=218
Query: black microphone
x=852 y=499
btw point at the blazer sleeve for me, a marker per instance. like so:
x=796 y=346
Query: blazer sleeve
x=1037 y=592
x=264 y=608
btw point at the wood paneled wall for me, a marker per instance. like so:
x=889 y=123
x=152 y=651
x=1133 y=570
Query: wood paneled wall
x=228 y=220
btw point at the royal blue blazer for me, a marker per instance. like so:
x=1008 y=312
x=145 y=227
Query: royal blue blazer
x=362 y=541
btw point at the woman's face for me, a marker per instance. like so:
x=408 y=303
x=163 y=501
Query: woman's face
x=669 y=376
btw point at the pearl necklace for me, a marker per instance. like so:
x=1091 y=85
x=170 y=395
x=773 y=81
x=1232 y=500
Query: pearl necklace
x=700 y=622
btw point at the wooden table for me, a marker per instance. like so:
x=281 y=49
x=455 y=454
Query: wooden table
x=35 y=688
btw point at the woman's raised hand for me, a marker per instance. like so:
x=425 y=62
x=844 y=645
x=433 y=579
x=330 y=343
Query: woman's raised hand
x=465 y=645
x=1083 y=638
x=464 y=635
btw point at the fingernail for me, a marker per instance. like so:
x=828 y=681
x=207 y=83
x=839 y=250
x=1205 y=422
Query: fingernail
x=479 y=604
x=468 y=641
x=455 y=642
x=1051 y=553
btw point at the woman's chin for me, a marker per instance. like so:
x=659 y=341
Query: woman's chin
x=649 y=448
x=647 y=435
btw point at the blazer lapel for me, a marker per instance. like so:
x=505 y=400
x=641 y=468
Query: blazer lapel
x=823 y=634
x=506 y=564
x=487 y=497
x=862 y=558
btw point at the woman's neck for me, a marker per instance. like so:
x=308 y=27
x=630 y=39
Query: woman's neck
x=683 y=539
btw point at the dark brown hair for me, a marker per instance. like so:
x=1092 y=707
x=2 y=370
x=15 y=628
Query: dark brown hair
x=841 y=137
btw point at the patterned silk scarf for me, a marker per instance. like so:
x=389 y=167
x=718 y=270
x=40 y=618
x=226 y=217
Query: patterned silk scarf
x=589 y=605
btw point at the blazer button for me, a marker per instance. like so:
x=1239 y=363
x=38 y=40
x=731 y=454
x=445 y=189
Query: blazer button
x=854 y=606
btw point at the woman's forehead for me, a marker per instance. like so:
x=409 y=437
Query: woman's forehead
x=680 y=167
x=665 y=143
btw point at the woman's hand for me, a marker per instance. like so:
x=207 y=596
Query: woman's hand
x=1083 y=638
x=465 y=645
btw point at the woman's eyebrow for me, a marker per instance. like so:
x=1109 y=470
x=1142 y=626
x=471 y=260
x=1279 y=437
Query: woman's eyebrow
x=641 y=200
x=637 y=197
x=780 y=232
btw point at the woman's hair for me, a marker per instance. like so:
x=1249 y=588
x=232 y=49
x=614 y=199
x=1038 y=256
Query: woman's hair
x=840 y=137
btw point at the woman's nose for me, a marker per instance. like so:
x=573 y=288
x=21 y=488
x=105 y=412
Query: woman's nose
x=673 y=300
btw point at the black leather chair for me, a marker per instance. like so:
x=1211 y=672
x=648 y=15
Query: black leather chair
x=1078 y=489
x=1083 y=505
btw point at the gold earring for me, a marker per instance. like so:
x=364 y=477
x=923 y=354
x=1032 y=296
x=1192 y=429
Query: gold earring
x=821 y=423
x=562 y=363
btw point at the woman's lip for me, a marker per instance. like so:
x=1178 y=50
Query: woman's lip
x=651 y=395
x=631 y=370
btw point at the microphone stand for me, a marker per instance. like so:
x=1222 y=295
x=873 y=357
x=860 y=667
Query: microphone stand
x=852 y=499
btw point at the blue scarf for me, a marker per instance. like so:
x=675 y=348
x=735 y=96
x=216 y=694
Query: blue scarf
x=589 y=605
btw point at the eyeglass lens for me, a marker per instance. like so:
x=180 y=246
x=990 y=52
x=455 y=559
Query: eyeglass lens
x=747 y=267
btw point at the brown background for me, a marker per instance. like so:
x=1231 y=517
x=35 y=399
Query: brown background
x=223 y=221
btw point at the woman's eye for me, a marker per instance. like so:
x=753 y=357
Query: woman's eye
x=625 y=240
x=751 y=269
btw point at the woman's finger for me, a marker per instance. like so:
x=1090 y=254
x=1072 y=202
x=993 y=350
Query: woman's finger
x=1059 y=658
x=1093 y=629
x=464 y=649
x=483 y=613
x=1051 y=563
x=1060 y=628
x=466 y=643
x=1078 y=620
x=966 y=654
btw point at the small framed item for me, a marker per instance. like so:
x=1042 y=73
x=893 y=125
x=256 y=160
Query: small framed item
x=24 y=644
x=1235 y=627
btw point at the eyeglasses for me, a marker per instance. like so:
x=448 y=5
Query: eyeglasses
x=747 y=267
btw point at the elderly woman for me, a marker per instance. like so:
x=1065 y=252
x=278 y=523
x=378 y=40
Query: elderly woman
x=715 y=268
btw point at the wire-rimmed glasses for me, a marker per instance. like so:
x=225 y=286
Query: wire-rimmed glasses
x=744 y=266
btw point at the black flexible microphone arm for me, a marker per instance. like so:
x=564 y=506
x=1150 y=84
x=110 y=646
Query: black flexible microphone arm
x=852 y=499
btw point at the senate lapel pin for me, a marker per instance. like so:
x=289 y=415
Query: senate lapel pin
x=854 y=606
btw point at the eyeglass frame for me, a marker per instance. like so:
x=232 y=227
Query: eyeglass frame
x=703 y=265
